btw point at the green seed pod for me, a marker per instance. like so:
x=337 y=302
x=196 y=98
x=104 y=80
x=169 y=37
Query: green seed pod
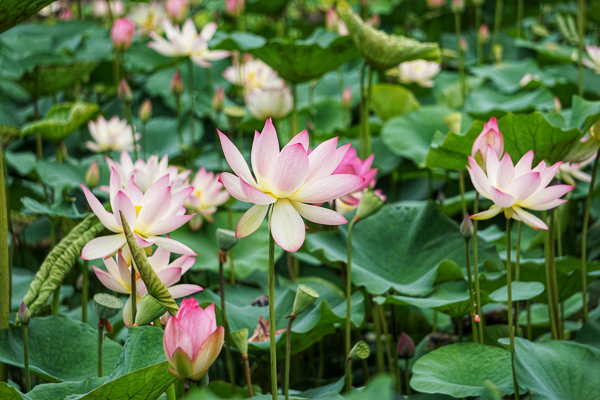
x=360 y=351
x=226 y=239
x=240 y=340
x=305 y=297
x=369 y=204
x=107 y=305
x=149 y=310
x=234 y=115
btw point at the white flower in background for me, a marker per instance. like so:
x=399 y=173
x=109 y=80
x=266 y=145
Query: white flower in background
x=569 y=172
x=527 y=78
x=594 y=55
x=251 y=74
x=186 y=42
x=101 y=9
x=145 y=174
x=420 y=72
x=112 y=135
x=271 y=101
x=51 y=8
x=207 y=195
x=148 y=17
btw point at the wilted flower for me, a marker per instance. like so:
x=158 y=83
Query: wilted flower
x=234 y=8
x=218 y=99
x=435 y=3
x=177 y=10
x=122 y=33
x=112 y=135
x=251 y=74
x=483 y=35
x=490 y=135
x=594 y=54
x=148 y=17
x=207 y=195
x=287 y=179
x=273 y=101
x=513 y=188
x=186 y=42
x=146 y=110
x=420 y=72
x=156 y=212
x=569 y=172
x=101 y=8
x=192 y=340
x=92 y=175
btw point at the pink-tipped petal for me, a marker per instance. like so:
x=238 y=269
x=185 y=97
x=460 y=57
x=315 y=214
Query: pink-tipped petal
x=492 y=165
x=154 y=210
x=479 y=179
x=124 y=204
x=106 y=218
x=505 y=174
x=179 y=291
x=169 y=276
x=264 y=153
x=289 y=171
x=319 y=215
x=168 y=225
x=501 y=199
x=175 y=337
x=546 y=195
x=109 y=281
x=103 y=246
x=287 y=226
x=251 y=220
x=525 y=185
x=256 y=196
x=320 y=159
x=232 y=185
x=301 y=138
x=524 y=164
x=209 y=352
x=173 y=246
x=328 y=188
x=235 y=159
x=529 y=219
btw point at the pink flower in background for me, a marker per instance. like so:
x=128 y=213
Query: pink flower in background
x=347 y=98
x=122 y=33
x=484 y=33
x=334 y=23
x=287 y=179
x=112 y=135
x=234 y=8
x=117 y=277
x=513 y=188
x=593 y=53
x=569 y=172
x=192 y=340
x=149 y=215
x=148 y=17
x=177 y=10
x=489 y=136
x=101 y=8
x=207 y=195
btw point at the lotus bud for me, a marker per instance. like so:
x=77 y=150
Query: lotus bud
x=122 y=33
x=453 y=121
x=331 y=19
x=347 y=98
x=466 y=227
x=92 y=175
x=440 y=198
x=226 y=239
x=476 y=318
x=218 y=100
x=146 y=110
x=177 y=86
x=24 y=316
x=489 y=136
x=196 y=222
x=177 y=10
x=406 y=346
x=107 y=305
x=435 y=3
x=234 y=8
x=240 y=340
x=483 y=35
x=149 y=310
x=458 y=6
x=235 y=115
x=540 y=30
x=124 y=92
x=464 y=45
x=369 y=204
x=497 y=50
x=305 y=297
x=360 y=351
x=557 y=104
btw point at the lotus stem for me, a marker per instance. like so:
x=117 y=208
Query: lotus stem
x=349 y=374
x=497 y=25
x=290 y=266
x=84 y=291
x=395 y=350
x=362 y=110
x=4 y=262
x=144 y=148
x=294 y=111
x=388 y=347
x=553 y=326
x=461 y=64
x=581 y=25
x=529 y=332
x=586 y=220
x=26 y=359
x=520 y=12
x=231 y=267
x=248 y=375
x=222 y=259
x=349 y=298
x=56 y=299
x=476 y=269
x=461 y=184
x=39 y=146
x=378 y=345
x=272 y=329
x=479 y=42
x=321 y=369
x=553 y=283
x=559 y=232
x=288 y=348
x=518 y=269
x=127 y=108
x=470 y=284
x=511 y=330
x=367 y=110
x=133 y=293
x=191 y=94
x=100 y=339
x=407 y=377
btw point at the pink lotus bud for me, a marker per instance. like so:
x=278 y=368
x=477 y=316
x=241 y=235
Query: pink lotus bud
x=484 y=33
x=218 y=100
x=121 y=33
x=347 y=98
x=464 y=45
x=406 y=346
x=146 y=110
x=490 y=135
x=92 y=176
x=557 y=104
x=66 y=15
x=331 y=19
x=177 y=86
x=24 y=316
x=476 y=318
x=435 y=3
x=177 y=9
x=192 y=340
x=234 y=8
x=124 y=92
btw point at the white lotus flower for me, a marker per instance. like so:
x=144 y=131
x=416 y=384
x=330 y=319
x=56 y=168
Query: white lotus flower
x=207 y=195
x=148 y=17
x=594 y=54
x=420 y=72
x=272 y=101
x=252 y=74
x=113 y=135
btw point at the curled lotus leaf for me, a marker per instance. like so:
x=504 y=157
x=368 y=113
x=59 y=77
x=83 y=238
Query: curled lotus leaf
x=62 y=120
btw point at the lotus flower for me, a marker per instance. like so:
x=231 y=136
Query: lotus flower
x=192 y=340
x=274 y=101
x=435 y=3
x=490 y=135
x=420 y=72
x=207 y=195
x=513 y=188
x=334 y=23
x=101 y=8
x=234 y=8
x=187 y=42
x=252 y=74
x=148 y=17
x=122 y=33
x=568 y=172
x=117 y=277
x=177 y=9
x=594 y=54
x=111 y=135
x=287 y=179
x=150 y=214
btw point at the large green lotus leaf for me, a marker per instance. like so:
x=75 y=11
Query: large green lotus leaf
x=143 y=348
x=388 y=100
x=507 y=75
x=10 y=393
x=250 y=254
x=141 y=58
x=450 y=151
x=48 y=79
x=590 y=331
x=380 y=388
x=14 y=12
x=461 y=370
x=242 y=41
x=584 y=113
x=551 y=51
x=310 y=326
x=307 y=59
x=383 y=51
x=450 y=298
x=60 y=349
x=266 y=6
x=520 y=291
x=558 y=369
x=485 y=103
x=410 y=135
x=60 y=391
x=404 y=248
x=62 y=209
x=570 y=72
x=62 y=120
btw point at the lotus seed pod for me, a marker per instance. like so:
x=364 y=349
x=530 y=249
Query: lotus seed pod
x=360 y=351
x=107 y=305
x=149 y=310
x=305 y=297
x=226 y=239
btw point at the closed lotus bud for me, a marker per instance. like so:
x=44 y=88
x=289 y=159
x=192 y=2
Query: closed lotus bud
x=497 y=50
x=240 y=340
x=107 y=305
x=406 y=346
x=177 y=10
x=146 y=110
x=124 y=92
x=218 y=100
x=458 y=6
x=331 y=19
x=122 y=33
x=347 y=98
x=582 y=151
x=483 y=35
x=92 y=175
x=476 y=318
x=24 y=316
x=464 y=45
x=369 y=204
x=360 y=351
x=489 y=136
x=305 y=297
x=557 y=104
x=466 y=227
x=149 y=310
x=226 y=239
x=177 y=86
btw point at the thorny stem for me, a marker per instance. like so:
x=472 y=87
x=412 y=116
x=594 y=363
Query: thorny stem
x=511 y=330
x=476 y=269
x=222 y=258
x=586 y=220
x=288 y=348
x=349 y=297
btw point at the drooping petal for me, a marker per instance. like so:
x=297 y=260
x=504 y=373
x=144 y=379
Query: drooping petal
x=287 y=226
x=529 y=219
x=319 y=215
x=109 y=281
x=501 y=199
x=251 y=220
x=525 y=185
x=232 y=185
x=179 y=291
x=256 y=196
x=107 y=219
x=492 y=212
x=103 y=246
x=289 y=171
x=235 y=159
x=328 y=188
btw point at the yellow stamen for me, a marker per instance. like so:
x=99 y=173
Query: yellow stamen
x=137 y=210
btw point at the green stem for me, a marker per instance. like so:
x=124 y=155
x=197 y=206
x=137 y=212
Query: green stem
x=4 y=262
x=497 y=26
x=144 y=148
x=553 y=329
x=272 y=344
x=349 y=369
x=349 y=297
x=529 y=331
x=367 y=112
x=471 y=299
x=226 y=325
x=559 y=235
x=191 y=94
x=461 y=184
x=56 y=300
x=171 y=392
x=248 y=375
x=39 y=145
x=378 y=344
x=231 y=267
x=407 y=377
x=294 y=125
x=100 y=340
x=586 y=220
x=26 y=359
x=127 y=106
x=362 y=110
x=180 y=123
x=479 y=42
x=520 y=12
x=476 y=268
x=511 y=330
x=133 y=293
x=288 y=348
x=518 y=269
x=553 y=283
x=459 y=54
x=84 y=291
x=581 y=25
x=388 y=347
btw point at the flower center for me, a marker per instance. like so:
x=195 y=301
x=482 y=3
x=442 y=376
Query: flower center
x=137 y=210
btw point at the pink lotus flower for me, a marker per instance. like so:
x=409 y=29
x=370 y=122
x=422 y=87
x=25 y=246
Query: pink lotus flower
x=192 y=340
x=117 y=277
x=149 y=215
x=568 y=172
x=252 y=73
x=234 y=8
x=207 y=195
x=515 y=187
x=594 y=55
x=287 y=179
x=489 y=136
x=122 y=33
x=484 y=33
x=177 y=10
